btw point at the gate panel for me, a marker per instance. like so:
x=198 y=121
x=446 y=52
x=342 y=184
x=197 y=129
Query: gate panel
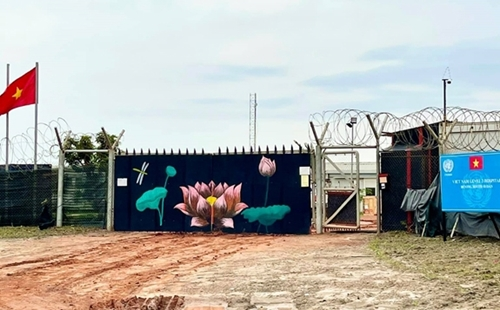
x=263 y=201
x=348 y=214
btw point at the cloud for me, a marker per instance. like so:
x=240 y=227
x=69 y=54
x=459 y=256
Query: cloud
x=476 y=63
x=232 y=73
x=242 y=6
x=402 y=87
x=179 y=73
x=486 y=100
x=253 y=50
x=211 y=101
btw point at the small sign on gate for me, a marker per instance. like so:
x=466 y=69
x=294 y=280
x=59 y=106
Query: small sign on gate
x=305 y=170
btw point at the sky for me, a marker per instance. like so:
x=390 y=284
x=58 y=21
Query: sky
x=178 y=73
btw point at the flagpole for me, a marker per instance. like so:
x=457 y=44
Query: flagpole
x=36 y=118
x=7 y=127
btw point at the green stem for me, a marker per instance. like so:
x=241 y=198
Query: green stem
x=163 y=203
x=267 y=192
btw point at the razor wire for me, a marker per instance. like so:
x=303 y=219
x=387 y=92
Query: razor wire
x=473 y=130
x=21 y=146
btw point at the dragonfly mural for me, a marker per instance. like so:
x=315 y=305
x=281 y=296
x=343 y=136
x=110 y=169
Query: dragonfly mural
x=142 y=172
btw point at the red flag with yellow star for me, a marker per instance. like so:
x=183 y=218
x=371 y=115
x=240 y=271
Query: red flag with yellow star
x=476 y=162
x=19 y=93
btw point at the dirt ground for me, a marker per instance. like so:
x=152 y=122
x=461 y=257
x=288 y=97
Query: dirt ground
x=330 y=271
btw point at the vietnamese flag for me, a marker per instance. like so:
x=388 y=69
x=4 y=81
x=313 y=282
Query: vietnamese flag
x=19 y=93
x=476 y=162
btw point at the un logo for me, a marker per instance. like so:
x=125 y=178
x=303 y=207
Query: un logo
x=448 y=165
x=477 y=196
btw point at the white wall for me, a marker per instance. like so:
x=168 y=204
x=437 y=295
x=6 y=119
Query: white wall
x=367 y=172
x=337 y=181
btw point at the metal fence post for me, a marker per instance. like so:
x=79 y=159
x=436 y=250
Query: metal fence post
x=313 y=185
x=109 y=211
x=60 y=189
x=378 y=192
x=319 y=189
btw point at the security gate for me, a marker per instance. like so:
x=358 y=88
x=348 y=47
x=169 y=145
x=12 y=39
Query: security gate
x=332 y=211
x=342 y=205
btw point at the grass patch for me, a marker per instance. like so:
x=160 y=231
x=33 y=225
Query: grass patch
x=8 y=232
x=461 y=260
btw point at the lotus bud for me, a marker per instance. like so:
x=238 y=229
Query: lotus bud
x=267 y=167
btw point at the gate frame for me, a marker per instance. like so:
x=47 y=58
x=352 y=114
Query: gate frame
x=354 y=188
x=111 y=150
x=319 y=176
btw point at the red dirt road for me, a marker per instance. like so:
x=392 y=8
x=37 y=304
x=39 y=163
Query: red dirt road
x=315 y=272
x=73 y=272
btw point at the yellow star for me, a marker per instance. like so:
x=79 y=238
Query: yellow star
x=18 y=93
x=476 y=163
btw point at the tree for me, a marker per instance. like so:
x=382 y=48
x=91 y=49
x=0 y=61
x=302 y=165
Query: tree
x=88 y=142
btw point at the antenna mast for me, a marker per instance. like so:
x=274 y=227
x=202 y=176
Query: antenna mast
x=253 y=121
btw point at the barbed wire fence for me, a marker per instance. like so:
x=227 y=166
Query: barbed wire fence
x=27 y=195
x=476 y=129
x=409 y=151
x=21 y=147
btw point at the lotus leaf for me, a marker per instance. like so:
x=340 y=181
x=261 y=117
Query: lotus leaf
x=266 y=216
x=151 y=199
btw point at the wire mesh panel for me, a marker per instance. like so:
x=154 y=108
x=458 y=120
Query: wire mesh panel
x=24 y=193
x=405 y=169
x=347 y=215
x=85 y=195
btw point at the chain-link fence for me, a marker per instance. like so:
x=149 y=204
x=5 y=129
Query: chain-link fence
x=414 y=169
x=24 y=192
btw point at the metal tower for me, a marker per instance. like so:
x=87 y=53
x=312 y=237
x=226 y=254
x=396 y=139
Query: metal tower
x=253 y=121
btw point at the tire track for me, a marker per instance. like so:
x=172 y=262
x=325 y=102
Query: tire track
x=113 y=267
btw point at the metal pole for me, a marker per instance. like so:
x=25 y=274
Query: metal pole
x=313 y=185
x=109 y=212
x=444 y=99
x=60 y=189
x=7 y=127
x=358 y=202
x=255 y=124
x=352 y=149
x=378 y=192
x=36 y=116
x=319 y=189
x=441 y=149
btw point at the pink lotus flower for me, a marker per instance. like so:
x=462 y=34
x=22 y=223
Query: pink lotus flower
x=267 y=167
x=211 y=204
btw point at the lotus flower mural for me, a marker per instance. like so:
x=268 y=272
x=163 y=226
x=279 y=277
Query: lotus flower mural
x=212 y=204
x=266 y=215
x=151 y=198
x=267 y=168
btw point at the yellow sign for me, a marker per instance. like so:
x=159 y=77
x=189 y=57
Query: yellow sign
x=304 y=181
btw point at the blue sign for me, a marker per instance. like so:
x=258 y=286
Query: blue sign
x=470 y=182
